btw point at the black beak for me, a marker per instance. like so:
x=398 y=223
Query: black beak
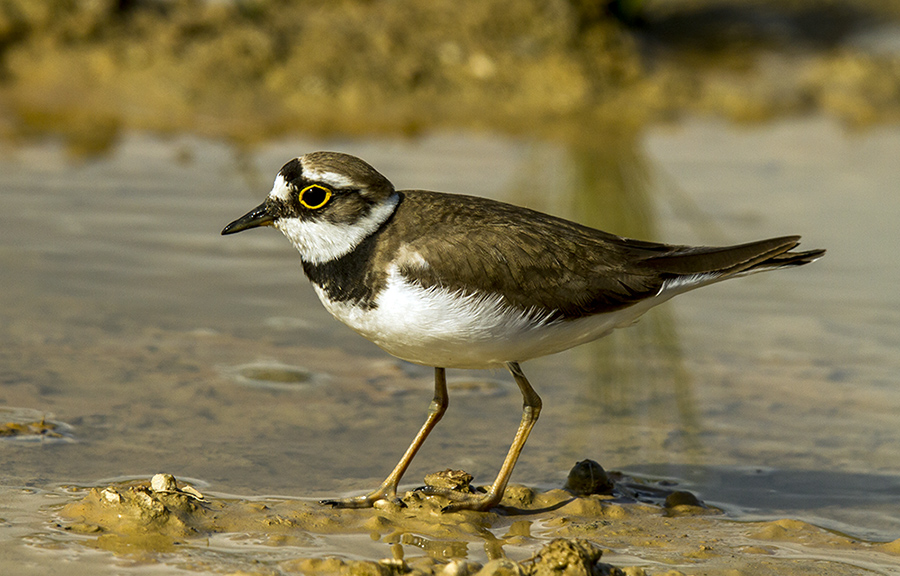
x=259 y=216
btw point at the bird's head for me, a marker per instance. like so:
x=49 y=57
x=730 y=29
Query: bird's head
x=325 y=203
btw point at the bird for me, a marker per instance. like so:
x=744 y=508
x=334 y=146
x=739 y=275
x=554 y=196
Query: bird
x=457 y=281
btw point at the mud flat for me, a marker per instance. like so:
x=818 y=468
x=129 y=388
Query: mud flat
x=633 y=526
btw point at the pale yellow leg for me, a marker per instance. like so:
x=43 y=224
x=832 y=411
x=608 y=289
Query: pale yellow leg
x=530 y=411
x=388 y=488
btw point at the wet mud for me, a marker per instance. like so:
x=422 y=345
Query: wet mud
x=636 y=526
x=24 y=425
x=275 y=398
x=18 y=429
x=246 y=71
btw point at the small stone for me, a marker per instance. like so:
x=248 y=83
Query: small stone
x=517 y=495
x=682 y=498
x=387 y=505
x=564 y=557
x=163 y=483
x=193 y=492
x=143 y=499
x=451 y=480
x=588 y=477
x=111 y=496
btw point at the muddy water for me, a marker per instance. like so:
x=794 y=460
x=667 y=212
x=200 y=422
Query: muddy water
x=138 y=340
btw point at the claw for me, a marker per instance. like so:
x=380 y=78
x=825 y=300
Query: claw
x=372 y=500
x=481 y=503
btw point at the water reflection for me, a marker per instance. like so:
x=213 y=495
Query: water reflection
x=638 y=374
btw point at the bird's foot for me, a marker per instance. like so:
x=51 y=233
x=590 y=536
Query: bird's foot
x=369 y=500
x=477 y=501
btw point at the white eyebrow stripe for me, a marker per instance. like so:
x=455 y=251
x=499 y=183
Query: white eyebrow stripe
x=282 y=189
x=333 y=179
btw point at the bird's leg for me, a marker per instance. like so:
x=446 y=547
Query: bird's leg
x=388 y=488
x=530 y=411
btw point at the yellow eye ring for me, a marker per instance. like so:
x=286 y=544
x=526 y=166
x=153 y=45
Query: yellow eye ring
x=314 y=196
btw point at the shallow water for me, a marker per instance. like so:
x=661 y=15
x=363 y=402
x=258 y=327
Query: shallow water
x=159 y=345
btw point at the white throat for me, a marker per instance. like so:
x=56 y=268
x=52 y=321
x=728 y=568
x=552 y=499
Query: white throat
x=320 y=241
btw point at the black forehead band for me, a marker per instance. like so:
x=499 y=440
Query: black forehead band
x=292 y=170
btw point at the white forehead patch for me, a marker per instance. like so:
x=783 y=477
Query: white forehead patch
x=333 y=179
x=281 y=190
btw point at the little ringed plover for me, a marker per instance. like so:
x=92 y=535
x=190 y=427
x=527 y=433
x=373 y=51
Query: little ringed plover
x=455 y=281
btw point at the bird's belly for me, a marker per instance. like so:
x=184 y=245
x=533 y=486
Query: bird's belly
x=438 y=327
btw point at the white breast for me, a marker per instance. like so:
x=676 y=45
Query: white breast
x=439 y=327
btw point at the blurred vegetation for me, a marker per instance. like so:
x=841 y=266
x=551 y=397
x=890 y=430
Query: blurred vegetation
x=251 y=69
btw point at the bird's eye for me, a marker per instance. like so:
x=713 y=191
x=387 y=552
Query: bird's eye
x=314 y=196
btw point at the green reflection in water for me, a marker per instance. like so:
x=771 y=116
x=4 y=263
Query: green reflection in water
x=636 y=376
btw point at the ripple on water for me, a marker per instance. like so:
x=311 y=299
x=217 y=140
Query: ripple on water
x=274 y=375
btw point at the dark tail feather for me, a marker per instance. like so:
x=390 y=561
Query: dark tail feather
x=729 y=261
x=789 y=259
